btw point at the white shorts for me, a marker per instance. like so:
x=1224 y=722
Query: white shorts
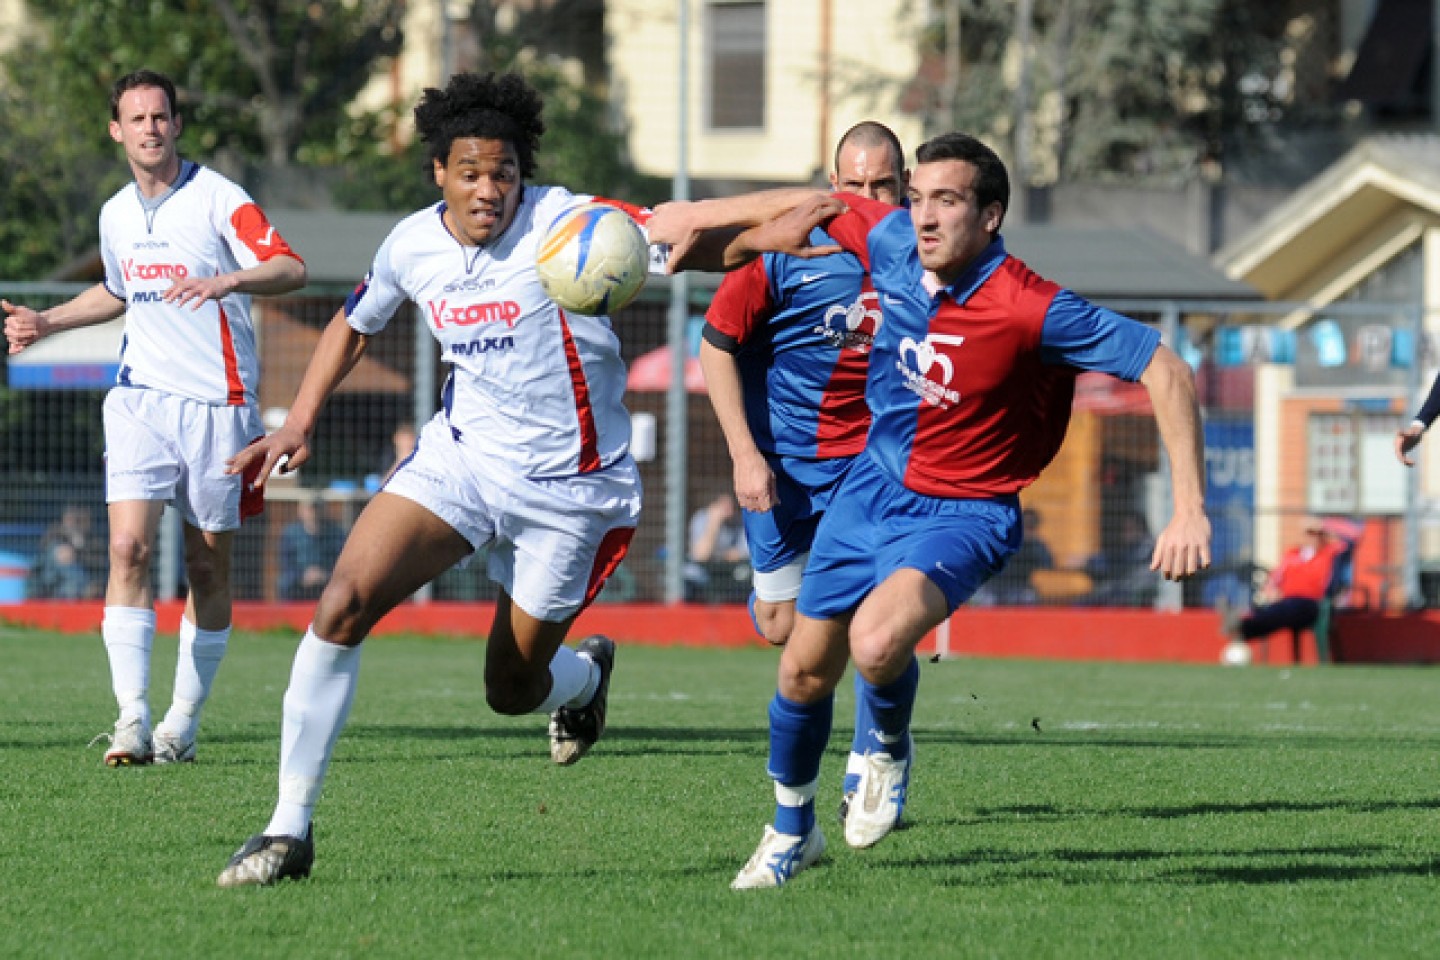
x=162 y=447
x=552 y=543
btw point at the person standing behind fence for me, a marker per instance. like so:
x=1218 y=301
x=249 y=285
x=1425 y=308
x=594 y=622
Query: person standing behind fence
x=786 y=349
x=184 y=249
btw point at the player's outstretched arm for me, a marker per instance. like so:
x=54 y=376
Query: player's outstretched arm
x=279 y=274
x=339 y=349
x=754 y=480
x=1183 y=547
x=24 y=325
x=691 y=228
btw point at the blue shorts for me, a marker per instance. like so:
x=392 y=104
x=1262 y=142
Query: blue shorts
x=784 y=533
x=876 y=526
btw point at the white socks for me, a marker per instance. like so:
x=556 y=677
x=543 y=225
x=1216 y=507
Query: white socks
x=317 y=704
x=199 y=658
x=129 y=633
x=573 y=681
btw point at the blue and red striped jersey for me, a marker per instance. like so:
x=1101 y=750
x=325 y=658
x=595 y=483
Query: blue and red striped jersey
x=970 y=388
x=801 y=332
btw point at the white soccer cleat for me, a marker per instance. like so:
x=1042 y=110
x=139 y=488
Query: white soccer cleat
x=130 y=744
x=778 y=858
x=879 y=799
x=172 y=749
x=266 y=860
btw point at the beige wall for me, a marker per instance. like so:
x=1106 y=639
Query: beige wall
x=12 y=23
x=867 y=36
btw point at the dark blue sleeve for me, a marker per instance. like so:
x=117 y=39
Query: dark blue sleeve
x=1078 y=333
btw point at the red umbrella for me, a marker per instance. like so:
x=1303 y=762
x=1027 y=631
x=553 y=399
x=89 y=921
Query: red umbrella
x=651 y=372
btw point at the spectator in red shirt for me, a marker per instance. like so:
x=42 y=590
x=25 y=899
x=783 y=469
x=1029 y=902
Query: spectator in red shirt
x=1291 y=597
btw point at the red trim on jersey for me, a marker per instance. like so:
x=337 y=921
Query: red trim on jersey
x=584 y=413
x=234 y=386
x=255 y=232
x=613 y=548
x=640 y=215
x=1012 y=410
x=742 y=304
x=851 y=229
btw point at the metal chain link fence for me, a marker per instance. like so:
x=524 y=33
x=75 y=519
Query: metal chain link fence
x=1300 y=410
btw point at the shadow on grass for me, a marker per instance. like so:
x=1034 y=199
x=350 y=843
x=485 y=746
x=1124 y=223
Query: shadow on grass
x=1052 y=813
x=1260 y=866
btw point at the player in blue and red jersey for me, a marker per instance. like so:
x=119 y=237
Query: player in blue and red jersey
x=785 y=350
x=971 y=382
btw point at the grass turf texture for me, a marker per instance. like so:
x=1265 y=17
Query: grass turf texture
x=1057 y=810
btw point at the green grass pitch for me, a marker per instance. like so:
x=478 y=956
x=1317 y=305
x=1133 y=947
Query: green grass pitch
x=1057 y=810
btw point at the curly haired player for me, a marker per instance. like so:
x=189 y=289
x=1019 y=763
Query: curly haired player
x=528 y=457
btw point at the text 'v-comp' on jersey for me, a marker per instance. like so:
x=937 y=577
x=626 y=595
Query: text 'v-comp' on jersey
x=531 y=385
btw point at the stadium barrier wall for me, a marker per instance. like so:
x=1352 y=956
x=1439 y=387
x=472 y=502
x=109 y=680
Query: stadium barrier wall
x=1185 y=636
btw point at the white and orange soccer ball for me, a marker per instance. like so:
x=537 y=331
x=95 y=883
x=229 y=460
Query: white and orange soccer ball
x=592 y=259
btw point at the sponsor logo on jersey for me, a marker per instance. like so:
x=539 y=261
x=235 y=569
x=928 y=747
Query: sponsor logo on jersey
x=134 y=270
x=443 y=313
x=147 y=296
x=852 y=327
x=480 y=345
x=927 y=370
x=469 y=285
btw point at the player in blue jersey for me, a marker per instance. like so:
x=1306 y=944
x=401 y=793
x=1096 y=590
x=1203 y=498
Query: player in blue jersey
x=971 y=383
x=785 y=350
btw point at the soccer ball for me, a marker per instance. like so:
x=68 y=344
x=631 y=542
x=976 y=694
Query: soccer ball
x=1236 y=654
x=592 y=259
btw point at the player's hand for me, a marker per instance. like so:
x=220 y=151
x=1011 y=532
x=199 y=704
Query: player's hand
x=197 y=290
x=790 y=232
x=1405 y=441
x=754 y=483
x=23 y=326
x=1183 y=547
x=284 y=450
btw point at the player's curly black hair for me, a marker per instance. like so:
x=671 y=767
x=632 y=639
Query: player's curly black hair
x=487 y=106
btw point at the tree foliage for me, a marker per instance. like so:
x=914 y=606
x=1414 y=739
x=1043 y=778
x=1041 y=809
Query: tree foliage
x=263 y=84
x=266 y=89
x=1134 y=89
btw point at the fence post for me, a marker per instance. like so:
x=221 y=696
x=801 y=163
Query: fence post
x=1171 y=594
x=423 y=399
x=168 y=555
x=1410 y=562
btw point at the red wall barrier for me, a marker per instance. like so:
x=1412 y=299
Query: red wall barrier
x=1190 y=636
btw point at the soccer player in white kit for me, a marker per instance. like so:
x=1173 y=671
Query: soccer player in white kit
x=528 y=457
x=184 y=248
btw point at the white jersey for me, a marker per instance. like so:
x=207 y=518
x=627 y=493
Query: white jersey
x=204 y=227
x=531 y=386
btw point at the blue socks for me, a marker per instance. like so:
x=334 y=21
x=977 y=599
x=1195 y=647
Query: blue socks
x=799 y=733
x=885 y=712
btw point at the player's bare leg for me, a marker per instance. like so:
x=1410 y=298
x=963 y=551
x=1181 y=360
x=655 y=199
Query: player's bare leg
x=395 y=547
x=528 y=669
x=129 y=626
x=886 y=628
